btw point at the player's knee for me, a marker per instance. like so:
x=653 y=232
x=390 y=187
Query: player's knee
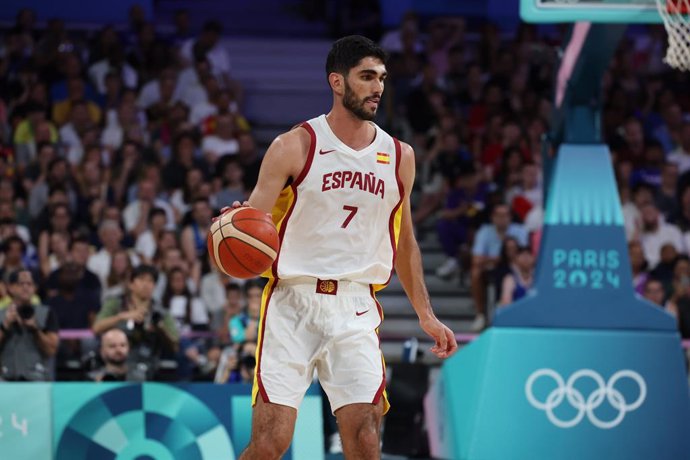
x=269 y=446
x=367 y=434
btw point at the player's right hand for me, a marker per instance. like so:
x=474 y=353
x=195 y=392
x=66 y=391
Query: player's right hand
x=235 y=205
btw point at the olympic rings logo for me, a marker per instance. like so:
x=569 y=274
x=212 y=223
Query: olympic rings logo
x=605 y=390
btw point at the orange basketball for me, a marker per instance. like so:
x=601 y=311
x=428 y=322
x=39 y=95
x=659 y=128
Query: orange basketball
x=243 y=243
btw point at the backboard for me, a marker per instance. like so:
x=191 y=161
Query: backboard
x=607 y=11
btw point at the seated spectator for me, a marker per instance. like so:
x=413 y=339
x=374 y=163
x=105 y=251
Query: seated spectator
x=75 y=132
x=190 y=314
x=244 y=327
x=212 y=291
x=654 y=292
x=485 y=252
x=181 y=199
x=232 y=306
x=230 y=174
x=14 y=252
x=150 y=329
x=528 y=193
x=193 y=238
x=136 y=213
x=465 y=200
x=183 y=159
x=655 y=232
x=188 y=310
x=58 y=179
x=37 y=170
x=79 y=252
x=250 y=160
x=60 y=229
x=223 y=141
x=120 y=272
x=681 y=155
x=638 y=265
x=147 y=241
x=663 y=271
x=77 y=95
x=110 y=234
x=505 y=263
x=74 y=308
x=31 y=132
x=666 y=194
x=518 y=282
x=114 y=353
x=28 y=333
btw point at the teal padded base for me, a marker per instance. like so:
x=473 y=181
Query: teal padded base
x=627 y=397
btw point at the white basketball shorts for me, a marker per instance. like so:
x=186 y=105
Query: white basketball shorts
x=330 y=327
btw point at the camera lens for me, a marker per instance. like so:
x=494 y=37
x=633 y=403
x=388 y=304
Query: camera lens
x=26 y=311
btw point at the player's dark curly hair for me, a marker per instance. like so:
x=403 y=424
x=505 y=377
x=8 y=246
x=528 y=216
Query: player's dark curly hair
x=348 y=51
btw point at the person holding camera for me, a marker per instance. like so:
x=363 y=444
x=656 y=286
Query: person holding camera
x=150 y=329
x=28 y=333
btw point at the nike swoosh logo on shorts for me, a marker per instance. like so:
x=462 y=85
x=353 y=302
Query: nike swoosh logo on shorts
x=360 y=313
x=323 y=152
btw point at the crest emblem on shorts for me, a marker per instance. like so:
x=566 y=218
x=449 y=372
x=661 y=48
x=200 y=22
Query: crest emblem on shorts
x=326 y=287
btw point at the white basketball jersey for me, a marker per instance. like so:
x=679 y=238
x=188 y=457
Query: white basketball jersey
x=340 y=219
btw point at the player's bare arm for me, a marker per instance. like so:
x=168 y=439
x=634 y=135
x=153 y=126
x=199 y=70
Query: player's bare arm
x=283 y=161
x=408 y=266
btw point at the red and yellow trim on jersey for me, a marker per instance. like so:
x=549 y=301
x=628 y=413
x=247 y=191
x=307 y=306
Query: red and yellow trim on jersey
x=280 y=214
x=383 y=158
x=395 y=219
x=381 y=392
x=258 y=387
x=285 y=204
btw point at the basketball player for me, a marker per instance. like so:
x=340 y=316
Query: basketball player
x=344 y=223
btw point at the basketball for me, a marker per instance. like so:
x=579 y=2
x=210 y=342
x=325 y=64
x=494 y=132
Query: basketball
x=243 y=243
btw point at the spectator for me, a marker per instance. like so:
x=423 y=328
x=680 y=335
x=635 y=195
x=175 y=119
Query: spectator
x=244 y=327
x=187 y=309
x=485 y=252
x=110 y=235
x=147 y=241
x=528 y=193
x=223 y=141
x=666 y=194
x=457 y=221
x=63 y=111
x=53 y=243
x=136 y=213
x=14 y=250
x=190 y=315
x=31 y=132
x=114 y=352
x=28 y=333
x=193 y=238
x=681 y=155
x=120 y=272
x=150 y=329
x=230 y=175
x=250 y=160
x=518 y=282
x=208 y=44
x=639 y=266
x=58 y=179
x=79 y=251
x=655 y=232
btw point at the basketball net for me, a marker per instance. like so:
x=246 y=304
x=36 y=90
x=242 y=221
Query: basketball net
x=676 y=16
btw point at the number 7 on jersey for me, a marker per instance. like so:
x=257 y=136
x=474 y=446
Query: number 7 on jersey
x=352 y=210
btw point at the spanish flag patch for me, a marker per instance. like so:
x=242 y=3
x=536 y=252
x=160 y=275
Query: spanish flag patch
x=383 y=158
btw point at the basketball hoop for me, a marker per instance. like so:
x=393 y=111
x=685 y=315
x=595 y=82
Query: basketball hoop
x=676 y=16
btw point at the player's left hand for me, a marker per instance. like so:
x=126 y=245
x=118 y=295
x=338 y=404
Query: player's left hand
x=445 y=344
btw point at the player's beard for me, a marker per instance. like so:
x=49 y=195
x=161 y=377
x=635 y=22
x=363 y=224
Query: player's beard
x=356 y=106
